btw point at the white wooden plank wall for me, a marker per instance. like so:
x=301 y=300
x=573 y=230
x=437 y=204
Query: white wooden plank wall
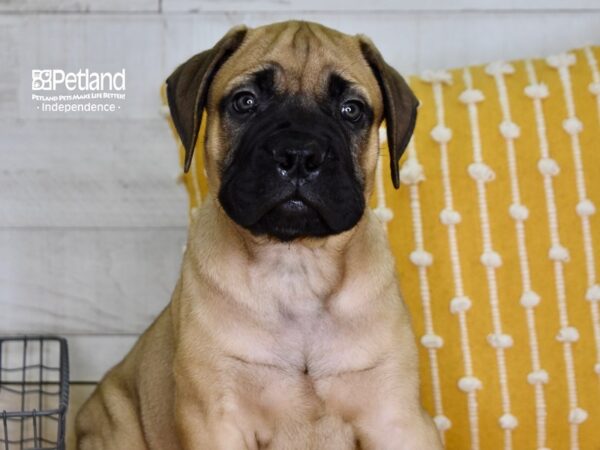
x=92 y=222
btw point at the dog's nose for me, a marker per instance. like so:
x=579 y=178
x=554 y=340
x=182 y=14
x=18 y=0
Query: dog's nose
x=300 y=162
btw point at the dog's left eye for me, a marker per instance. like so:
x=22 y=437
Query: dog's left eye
x=244 y=102
x=352 y=110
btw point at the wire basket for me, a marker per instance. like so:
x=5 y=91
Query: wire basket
x=34 y=392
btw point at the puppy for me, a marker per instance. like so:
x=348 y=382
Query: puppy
x=286 y=329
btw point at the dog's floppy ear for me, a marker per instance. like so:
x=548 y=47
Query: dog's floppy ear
x=187 y=88
x=399 y=103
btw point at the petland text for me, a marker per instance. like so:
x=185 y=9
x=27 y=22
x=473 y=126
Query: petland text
x=82 y=80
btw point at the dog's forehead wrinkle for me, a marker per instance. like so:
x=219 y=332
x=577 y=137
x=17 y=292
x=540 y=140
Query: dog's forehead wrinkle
x=306 y=51
x=301 y=43
x=297 y=39
x=304 y=55
x=262 y=74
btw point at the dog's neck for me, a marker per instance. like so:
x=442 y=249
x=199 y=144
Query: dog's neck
x=304 y=273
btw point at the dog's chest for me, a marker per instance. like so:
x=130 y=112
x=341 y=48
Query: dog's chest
x=301 y=332
x=291 y=352
x=302 y=348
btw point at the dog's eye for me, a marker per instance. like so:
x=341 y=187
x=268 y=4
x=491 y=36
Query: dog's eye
x=351 y=110
x=244 y=102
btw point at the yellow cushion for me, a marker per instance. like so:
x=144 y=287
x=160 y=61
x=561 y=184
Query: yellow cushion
x=498 y=249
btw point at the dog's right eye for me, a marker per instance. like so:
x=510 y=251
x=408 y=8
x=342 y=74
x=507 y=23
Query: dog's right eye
x=245 y=102
x=352 y=110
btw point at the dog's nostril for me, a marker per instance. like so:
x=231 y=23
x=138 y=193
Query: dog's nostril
x=312 y=162
x=286 y=159
x=299 y=162
x=289 y=161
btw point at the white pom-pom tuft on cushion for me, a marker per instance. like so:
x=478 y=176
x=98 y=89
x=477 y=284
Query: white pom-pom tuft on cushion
x=547 y=166
x=411 y=172
x=538 y=377
x=450 y=217
x=508 y=422
x=561 y=60
x=481 y=172
x=165 y=110
x=382 y=135
x=441 y=134
x=491 y=259
x=383 y=213
x=568 y=334
x=442 y=423
x=499 y=68
x=500 y=340
x=437 y=76
x=572 y=125
x=536 y=91
x=432 y=341
x=460 y=304
x=577 y=415
x=585 y=208
x=421 y=258
x=518 y=212
x=530 y=299
x=510 y=130
x=593 y=293
x=471 y=96
x=469 y=384
x=558 y=253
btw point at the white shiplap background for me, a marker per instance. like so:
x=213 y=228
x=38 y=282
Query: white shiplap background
x=92 y=222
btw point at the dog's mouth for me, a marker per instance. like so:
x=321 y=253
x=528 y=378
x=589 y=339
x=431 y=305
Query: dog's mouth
x=290 y=211
x=290 y=218
x=293 y=205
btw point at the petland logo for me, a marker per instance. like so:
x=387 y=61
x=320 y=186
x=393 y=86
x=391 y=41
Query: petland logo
x=83 y=80
x=84 y=91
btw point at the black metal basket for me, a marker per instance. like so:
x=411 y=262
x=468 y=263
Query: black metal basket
x=34 y=392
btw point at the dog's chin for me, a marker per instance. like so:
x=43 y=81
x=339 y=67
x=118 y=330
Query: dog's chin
x=288 y=214
x=292 y=219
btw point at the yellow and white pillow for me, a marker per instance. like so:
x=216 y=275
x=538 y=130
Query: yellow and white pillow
x=497 y=238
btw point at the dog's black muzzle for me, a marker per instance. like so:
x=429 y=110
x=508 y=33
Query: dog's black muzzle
x=292 y=174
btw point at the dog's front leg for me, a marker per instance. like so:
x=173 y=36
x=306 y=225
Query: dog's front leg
x=392 y=418
x=388 y=428
x=382 y=404
x=207 y=416
x=204 y=424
